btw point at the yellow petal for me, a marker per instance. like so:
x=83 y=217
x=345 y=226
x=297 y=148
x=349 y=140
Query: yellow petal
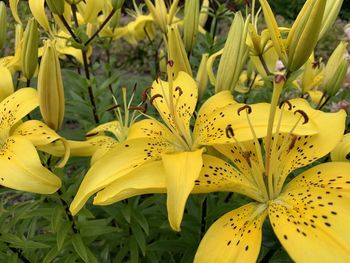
x=6 y=84
x=312 y=214
x=38 y=10
x=21 y=168
x=14 y=11
x=307 y=149
x=119 y=161
x=181 y=171
x=90 y=10
x=112 y=127
x=316 y=96
x=16 y=106
x=210 y=64
x=234 y=237
x=342 y=150
x=146 y=179
x=219 y=176
x=185 y=94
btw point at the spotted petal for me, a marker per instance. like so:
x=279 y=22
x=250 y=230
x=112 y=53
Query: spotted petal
x=219 y=176
x=21 y=168
x=311 y=216
x=146 y=179
x=181 y=171
x=16 y=106
x=119 y=161
x=235 y=237
x=181 y=105
x=302 y=150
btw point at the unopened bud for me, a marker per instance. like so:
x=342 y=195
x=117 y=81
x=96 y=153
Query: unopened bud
x=335 y=71
x=56 y=6
x=50 y=87
x=29 y=55
x=304 y=34
x=3 y=24
x=18 y=36
x=203 y=16
x=202 y=75
x=177 y=52
x=117 y=4
x=191 y=21
x=330 y=15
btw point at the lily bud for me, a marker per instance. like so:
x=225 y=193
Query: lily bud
x=202 y=75
x=191 y=21
x=56 y=6
x=18 y=35
x=3 y=23
x=203 y=16
x=234 y=55
x=304 y=34
x=176 y=52
x=117 y=4
x=29 y=55
x=330 y=15
x=335 y=71
x=50 y=87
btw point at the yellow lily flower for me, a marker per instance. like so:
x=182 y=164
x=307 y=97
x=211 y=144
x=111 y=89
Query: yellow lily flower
x=172 y=146
x=21 y=168
x=307 y=214
x=341 y=152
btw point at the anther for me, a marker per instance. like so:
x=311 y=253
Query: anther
x=143 y=108
x=180 y=90
x=145 y=93
x=245 y=107
x=292 y=143
x=170 y=63
x=303 y=113
x=91 y=134
x=154 y=97
x=113 y=107
x=316 y=64
x=279 y=78
x=286 y=102
x=229 y=131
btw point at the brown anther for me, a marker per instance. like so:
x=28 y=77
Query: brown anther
x=154 y=97
x=180 y=90
x=245 y=107
x=292 y=143
x=143 y=108
x=303 y=113
x=229 y=131
x=286 y=102
x=316 y=64
x=170 y=63
x=91 y=134
x=145 y=93
x=280 y=78
x=113 y=107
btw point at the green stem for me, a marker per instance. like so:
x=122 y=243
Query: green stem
x=18 y=252
x=66 y=25
x=101 y=27
x=68 y=213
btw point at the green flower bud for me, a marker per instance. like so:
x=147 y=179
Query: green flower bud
x=202 y=76
x=29 y=54
x=117 y=4
x=330 y=15
x=191 y=21
x=50 y=87
x=3 y=23
x=304 y=34
x=56 y=6
x=335 y=71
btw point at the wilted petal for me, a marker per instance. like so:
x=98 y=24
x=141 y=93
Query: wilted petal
x=311 y=216
x=234 y=237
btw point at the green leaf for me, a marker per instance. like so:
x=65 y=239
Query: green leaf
x=140 y=237
x=141 y=220
x=80 y=247
x=134 y=252
x=17 y=242
x=62 y=233
x=50 y=256
x=56 y=218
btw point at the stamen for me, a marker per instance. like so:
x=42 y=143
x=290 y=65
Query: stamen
x=229 y=131
x=154 y=97
x=180 y=90
x=280 y=78
x=170 y=63
x=113 y=107
x=143 y=108
x=144 y=95
x=245 y=107
x=286 y=102
x=303 y=113
x=292 y=143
